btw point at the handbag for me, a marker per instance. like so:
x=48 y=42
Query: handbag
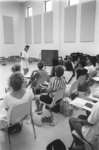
x=65 y=108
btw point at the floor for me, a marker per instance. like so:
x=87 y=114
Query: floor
x=45 y=133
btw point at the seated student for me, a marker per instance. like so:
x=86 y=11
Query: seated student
x=18 y=93
x=16 y=68
x=89 y=128
x=68 y=64
x=97 y=65
x=38 y=77
x=81 y=85
x=90 y=67
x=56 y=83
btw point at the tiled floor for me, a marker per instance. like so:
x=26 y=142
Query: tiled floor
x=45 y=134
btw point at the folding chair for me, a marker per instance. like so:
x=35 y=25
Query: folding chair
x=18 y=114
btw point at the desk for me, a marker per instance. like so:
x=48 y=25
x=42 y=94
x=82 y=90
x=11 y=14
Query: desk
x=82 y=104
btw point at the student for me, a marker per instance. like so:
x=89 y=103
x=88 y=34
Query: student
x=38 y=77
x=25 y=59
x=18 y=93
x=90 y=67
x=89 y=128
x=81 y=85
x=56 y=83
x=16 y=68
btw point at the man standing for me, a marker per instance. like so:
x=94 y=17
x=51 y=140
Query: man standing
x=25 y=59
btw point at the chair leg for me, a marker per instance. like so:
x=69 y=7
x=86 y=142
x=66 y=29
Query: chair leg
x=9 y=140
x=33 y=127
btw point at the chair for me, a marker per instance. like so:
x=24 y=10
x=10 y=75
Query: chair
x=58 y=96
x=68 y=76
x=78 y=140
x=19 y=114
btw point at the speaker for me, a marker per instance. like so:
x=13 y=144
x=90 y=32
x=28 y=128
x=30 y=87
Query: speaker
x=49 y=56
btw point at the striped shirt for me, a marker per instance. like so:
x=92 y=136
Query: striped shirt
x=57 y=83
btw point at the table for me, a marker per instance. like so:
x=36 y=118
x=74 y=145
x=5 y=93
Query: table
x=83 y=103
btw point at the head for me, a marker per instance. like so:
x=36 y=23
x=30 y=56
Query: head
x=40 y=65
x=88 y=61
x=59 y=71
x=82 y=73
x=26 y=48
x=16 y=68
x=16 y=81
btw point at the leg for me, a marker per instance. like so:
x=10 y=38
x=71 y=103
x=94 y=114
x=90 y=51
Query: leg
x=75 y=124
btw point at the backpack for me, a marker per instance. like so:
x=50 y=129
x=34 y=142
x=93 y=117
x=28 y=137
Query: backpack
x=56 y=145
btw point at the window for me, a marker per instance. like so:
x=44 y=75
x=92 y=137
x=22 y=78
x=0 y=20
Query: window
x=48 y=5
x=74 y=2
x=29 y=12
x=71 y=2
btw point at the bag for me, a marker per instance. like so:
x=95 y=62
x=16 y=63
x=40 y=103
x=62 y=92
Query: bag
x=16 y=128
x=65 y=108
x=56 y=145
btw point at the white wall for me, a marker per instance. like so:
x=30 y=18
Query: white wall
x=15 y=10
x=38 y=8
x=85 y=47
x=58 y=31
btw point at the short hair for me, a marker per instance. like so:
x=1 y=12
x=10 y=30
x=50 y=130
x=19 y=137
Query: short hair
x=27 y=46
x=16 y=68
x=16 y=81
x=59 y=70
x=81 y=72
x=40 y=65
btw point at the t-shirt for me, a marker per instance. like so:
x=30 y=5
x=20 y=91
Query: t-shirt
x=90 y=69
x=57 y=83
x=89 y=132
x=43 y=76
x=10 y=101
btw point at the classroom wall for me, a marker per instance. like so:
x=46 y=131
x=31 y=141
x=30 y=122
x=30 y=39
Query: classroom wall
x=58 y=31
x=38 y=8
x=85 y=47
x=15 y=10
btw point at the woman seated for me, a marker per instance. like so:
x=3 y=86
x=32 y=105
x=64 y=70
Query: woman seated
x=81 y=85
x=90 y=67
x=18 y=94
x=56 y=83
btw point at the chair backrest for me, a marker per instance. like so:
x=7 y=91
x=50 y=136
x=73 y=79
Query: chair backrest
x=20 y=112
x=68 y=75
x=57 y=96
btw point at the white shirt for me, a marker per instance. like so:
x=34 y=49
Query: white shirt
x=25 y=63
x=10 y=101
x=90 y=69
x=89 y=132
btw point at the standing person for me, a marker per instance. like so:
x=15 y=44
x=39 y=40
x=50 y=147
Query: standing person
x=24 y=59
